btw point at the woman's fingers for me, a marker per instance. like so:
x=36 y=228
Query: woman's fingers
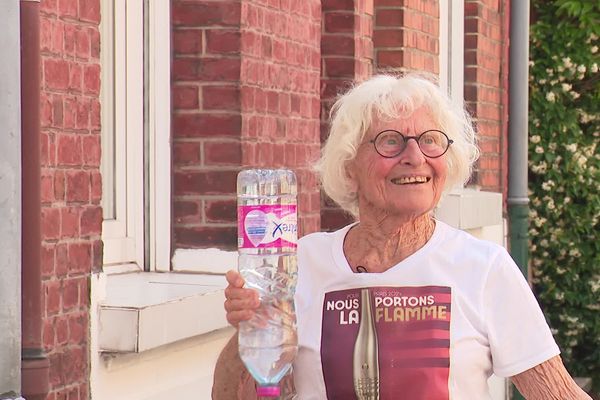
x=240 y=302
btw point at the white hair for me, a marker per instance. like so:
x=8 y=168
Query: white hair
x=384 y=98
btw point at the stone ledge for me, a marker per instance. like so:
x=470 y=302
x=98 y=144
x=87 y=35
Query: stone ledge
x=145 y=310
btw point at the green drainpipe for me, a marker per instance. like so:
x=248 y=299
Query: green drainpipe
x=518 y=202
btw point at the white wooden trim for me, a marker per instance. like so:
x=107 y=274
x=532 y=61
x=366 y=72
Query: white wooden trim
x=213 y=261
x=451 y=41
x=135 y=126
x=160 y=143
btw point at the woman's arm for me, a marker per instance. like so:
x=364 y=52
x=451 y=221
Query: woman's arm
x=548 y=381
x=232 y=381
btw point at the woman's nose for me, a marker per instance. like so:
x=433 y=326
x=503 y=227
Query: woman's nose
x=411 y=155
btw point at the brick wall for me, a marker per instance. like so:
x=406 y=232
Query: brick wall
x=70 y=186
x=347 y=55
x=245 y=93
x=486 y=87
x=406 y=34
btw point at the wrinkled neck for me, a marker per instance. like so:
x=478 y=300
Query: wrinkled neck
x=378 y=245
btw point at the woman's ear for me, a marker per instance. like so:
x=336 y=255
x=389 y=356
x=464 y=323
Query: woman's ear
x=351 y=175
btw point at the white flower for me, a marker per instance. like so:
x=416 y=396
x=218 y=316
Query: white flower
x=574 y=253
x=551 y=97
x=571 y=147
x=551 y=205
x=594 y=49
x=566 y=87
x=581 y=69
x=574 y=94
x=594 y=68
x=552 y=146
x=542 y=81
x=544 y=243
x=531 y=63
x=567 y=62
x=535 y=139
x=567 y=200
x=539 y=149
x=546 y=186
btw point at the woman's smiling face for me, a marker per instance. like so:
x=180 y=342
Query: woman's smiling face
x=408 y=185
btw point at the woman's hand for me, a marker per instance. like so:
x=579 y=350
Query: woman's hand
x=240 y=302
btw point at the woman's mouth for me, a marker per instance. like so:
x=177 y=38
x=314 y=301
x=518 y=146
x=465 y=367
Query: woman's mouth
x=406 y=180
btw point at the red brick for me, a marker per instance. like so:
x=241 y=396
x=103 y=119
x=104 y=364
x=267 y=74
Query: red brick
x=78 y=328
x=224 y=237
x=95 y=114
x=339 y=67
x=57 y=111
x=58 y=37
x=97 y=250
x=48 y=334
x=75 y=77
x=46 y=29
x=222 y=41
x=389 y=17
x=50 y=223
x=336 y=22
x=89 y=10
x=96 y=188
x=221 y=211
x=49 y=7
x=70 y=112
x=59 y=185
x=70 y=40
x=222 y=153
x=221 y=98
x=69 y=222
x=83 y=117
x=62 y=259
x=82 y=39
x=75 y=364
x=207 y=69
x=69 y=150
x=56 y=74
x=52 y=296
x=187 y=41
x=61 y=329
x=337 y=45
x=390 y=59
x=186 y=212
x=67 y=8
x=335 y=5
x=94 y=42
x=388 y=38
x=78 y=186
x=80 y=257
x=206 y=182
x=48 y=251
x=185 y=153
x=185 y=97
x=91 y=221
x=205 y=13
x=91 y=78
x=206 y=125
x=47 y=188
x=91 y=150
x=70 y=295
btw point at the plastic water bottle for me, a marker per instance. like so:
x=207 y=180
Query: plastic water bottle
x=267 y=239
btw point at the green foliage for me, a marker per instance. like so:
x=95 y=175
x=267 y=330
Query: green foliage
x=564 y=175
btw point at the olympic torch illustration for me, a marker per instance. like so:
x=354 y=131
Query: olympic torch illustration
x=366 y=356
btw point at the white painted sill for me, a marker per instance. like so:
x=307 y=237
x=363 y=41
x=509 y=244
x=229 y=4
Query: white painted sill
x=145 y=310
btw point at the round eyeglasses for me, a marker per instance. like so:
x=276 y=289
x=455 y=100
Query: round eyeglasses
x=432 y=143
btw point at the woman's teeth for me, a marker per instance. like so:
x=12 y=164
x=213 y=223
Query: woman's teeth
x=410 y=179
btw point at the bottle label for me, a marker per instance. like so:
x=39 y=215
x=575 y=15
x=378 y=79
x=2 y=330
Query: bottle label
x=261 y=226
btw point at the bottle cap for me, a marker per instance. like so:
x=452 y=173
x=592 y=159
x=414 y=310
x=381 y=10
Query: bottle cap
x=268 y=391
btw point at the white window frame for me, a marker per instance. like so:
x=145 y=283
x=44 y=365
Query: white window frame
x=123 y=108
x=452 y=48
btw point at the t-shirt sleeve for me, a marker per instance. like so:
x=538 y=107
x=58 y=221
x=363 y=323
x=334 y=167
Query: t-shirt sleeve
x=518 y=334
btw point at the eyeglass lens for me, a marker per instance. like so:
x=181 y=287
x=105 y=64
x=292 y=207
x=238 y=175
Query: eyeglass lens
x=432 y=143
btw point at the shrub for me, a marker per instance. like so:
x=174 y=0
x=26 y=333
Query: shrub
x=564 y=166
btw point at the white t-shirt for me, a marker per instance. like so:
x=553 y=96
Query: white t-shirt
x=441 y=321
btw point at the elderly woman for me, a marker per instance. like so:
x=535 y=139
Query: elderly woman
x=399 y=304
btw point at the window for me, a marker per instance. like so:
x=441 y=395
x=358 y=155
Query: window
x=452 y=47
x=136 y=134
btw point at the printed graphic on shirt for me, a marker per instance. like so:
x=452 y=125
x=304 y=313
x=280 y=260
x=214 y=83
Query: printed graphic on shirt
x=386 y=342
